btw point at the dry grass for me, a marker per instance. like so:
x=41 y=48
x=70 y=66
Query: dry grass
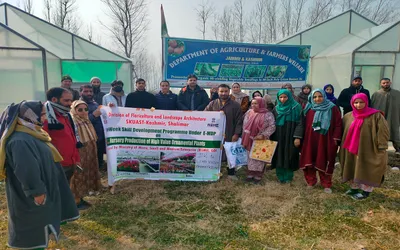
x=233 y=215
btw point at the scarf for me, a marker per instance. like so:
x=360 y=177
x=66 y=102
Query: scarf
x=118 y=96
x=323 y=112
x=54 y=124
x=254 y=123
x=331 y=97
x=14 y=118
x=288 y=111
x=352 y=140
x=239 y=96
x=84 y=127
x=303 y=96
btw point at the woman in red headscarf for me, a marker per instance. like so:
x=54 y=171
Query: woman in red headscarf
x=258 y=124
x=363 y=152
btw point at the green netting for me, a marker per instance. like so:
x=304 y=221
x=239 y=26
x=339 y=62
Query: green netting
x=82 y=71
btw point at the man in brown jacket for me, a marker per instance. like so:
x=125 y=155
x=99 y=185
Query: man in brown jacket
x=234 y=118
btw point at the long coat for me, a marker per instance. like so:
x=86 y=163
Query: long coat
x=389 y=103
x=31 y=171
x=369 y=165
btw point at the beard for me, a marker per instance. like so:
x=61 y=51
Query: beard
x=87 y=98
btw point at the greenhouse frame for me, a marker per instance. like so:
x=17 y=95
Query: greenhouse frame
x=350 y=45
x=34 y=54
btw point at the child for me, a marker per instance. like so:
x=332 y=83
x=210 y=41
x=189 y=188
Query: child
x=323 y=131
x=363 y=153
x=258 y=124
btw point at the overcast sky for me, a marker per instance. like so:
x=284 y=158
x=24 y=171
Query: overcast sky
x=180 y=16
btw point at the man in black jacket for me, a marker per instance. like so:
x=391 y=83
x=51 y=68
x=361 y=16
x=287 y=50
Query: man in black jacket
x=192 y=97
x=141 y=98
x=346 y=94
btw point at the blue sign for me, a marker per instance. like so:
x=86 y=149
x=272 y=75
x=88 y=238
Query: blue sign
x=252 y=65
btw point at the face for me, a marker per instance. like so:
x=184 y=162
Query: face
x=329 y=90
x=65 y=100
x=306 y=90
x=359 y=104
x=66 y=84
x=96 y=83
x=223 y=93
x=256 y=94
x=254 y=105
x=385 y=84
x=164 y=87
x=82 y=110
x=192 y=82
x=318 y=97
x=87 y=93
x=141 y=85
x=283 y=98
x=357 y=83
x=235 y=88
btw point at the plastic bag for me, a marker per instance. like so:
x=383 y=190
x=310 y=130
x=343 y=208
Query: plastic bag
x=236 y=154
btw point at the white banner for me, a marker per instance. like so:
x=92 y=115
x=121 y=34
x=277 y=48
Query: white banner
x=162 y=144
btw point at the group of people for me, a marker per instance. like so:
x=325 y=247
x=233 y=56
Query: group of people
x=63 y=143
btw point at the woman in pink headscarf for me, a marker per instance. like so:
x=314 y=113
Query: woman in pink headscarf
x=363 y=151
x=258 y=124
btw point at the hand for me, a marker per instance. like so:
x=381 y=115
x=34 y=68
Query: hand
x=111 y=105
x=40 y=199
x=97 y=112
x=259 y=137
x=235 y=138
x=297 y=143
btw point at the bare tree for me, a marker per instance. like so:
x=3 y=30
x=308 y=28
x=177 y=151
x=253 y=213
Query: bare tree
x=380 y=11
x=256 y=21
x=215 y=28
x=63 y=13
x=26 y=5
x=129 y=23
x=297 y=16
x=47 y=9
x=204 y=12
x=320 y=11
x=227 y=26
x=238 y=16
x=270 y=35
x=286 y=18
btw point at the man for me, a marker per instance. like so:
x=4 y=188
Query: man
x=61 y=128
x=346 y=94
x=97 y=94
x=387 y=100
x=38 y=195
x=66 y=83
x=140 y=98
x=234 y=119
x=165 y=99
x=116 y=97
x=192 y=97
x=94 y=117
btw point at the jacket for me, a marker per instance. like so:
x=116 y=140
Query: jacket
x=96 y=121
x=346 y=95
x=64 y=140
x=166 y=101
x=200 y=101
x=140 y=99
x=98 y=97
x=110 y=98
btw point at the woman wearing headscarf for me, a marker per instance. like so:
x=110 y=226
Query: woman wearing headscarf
x=256 y=94
x=303 y=95
x=268 y=102
x=330 y=93
x=38 y=196
x=289 y=87
x=323 y=131
x=238 y=96
x=288 y=131
x=258 y=124
x=86 y=179
x=363 y=152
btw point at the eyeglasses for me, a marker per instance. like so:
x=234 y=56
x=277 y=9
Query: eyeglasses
x=81 y=110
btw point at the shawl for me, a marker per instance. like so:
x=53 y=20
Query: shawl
x=84 y=126
x=352 y=140
x=288 y=111
x=239 y=96
x=19 y=117
x=252 y=95
x=254 y=123
x=323 y=112
x=302 y=96
x=331 y=97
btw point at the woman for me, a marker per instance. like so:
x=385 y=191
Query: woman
x=87 y=179
x=363 y=152
x=323 y=132
x=240 y=97
x=287 y=115
x=303 y=96
x=268 y=102
x=256 y=94
x=289 y=87
x=330 y=93
x=258 y=124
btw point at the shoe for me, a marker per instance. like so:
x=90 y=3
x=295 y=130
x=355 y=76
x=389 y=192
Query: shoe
x=233 y=177
x=359 y=197
x=328 y=190
x=83 y=205
x=395 y=168
x=352 y=192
